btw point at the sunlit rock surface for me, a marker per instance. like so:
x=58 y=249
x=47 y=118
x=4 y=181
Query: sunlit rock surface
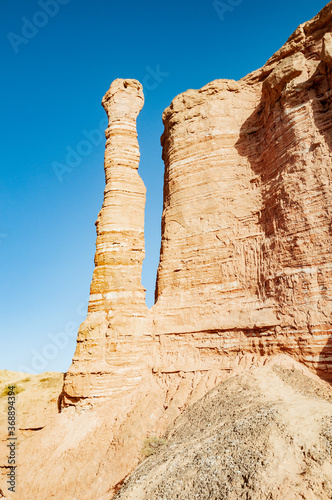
x=245 y=273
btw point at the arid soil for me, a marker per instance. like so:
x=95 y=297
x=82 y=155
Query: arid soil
x=265 y=434
x=36 y=406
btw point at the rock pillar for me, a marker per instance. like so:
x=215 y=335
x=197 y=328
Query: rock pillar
x=116 y=281
x=107 y=360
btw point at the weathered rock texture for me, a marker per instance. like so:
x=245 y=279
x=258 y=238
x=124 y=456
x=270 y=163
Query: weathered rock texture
x=263 y=434
x=245 y=270
x=116 y=283
x=246 y=257
x=105 y=362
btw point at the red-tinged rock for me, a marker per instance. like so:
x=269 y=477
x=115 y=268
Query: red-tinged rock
x=245 y=273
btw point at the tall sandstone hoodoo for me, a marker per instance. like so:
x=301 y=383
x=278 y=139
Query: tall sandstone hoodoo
x=116 y=283
x=245 y=272
x=105 y=361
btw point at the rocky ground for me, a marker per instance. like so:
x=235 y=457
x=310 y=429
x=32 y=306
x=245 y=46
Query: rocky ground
x=265 y=434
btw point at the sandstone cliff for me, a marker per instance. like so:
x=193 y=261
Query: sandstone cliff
x=246 y=242
x=246 y=261
x=245 y=271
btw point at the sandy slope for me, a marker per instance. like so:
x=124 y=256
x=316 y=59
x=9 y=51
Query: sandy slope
x=265 y=434
x=36 y=406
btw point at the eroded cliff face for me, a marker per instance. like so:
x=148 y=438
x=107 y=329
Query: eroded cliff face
x=246 y=261
x=245 y=272
x=246 y=256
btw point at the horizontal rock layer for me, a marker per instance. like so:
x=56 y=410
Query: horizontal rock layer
x=245 y=269
x=247 y=220
x=106 y=361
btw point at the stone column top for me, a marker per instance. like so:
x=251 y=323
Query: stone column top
x=124 y=99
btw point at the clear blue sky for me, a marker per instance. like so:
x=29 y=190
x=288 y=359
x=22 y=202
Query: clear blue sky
x=54 y=76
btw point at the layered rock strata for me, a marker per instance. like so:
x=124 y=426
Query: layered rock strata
x=116 y=282
x=105 y=356
x=246 y=255
x=246 y=260
x=245 y=274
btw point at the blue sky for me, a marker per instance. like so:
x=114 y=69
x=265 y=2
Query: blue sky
x=58 y=59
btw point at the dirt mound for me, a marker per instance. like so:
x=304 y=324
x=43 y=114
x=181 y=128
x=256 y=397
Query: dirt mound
x=36 y=406
x=265 y=434
x=37 y=398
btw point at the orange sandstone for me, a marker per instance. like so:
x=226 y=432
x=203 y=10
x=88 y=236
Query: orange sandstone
x=245 y=273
